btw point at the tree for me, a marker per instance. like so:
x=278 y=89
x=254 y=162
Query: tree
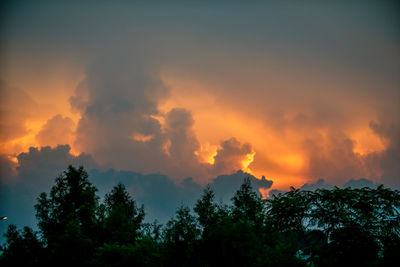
x=290 y=211
x=23 y=248
x=123 y=219
x=145 y=252
x=248 y=205
x=180 y=236
x=207 y=211
x=67 y=218
x=350 y=246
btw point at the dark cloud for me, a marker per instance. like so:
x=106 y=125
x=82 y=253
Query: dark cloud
x=229 y=157
x=360 y=183
x=40 y=165
x=225 y=186
x=7 y=169
x=319 y=184
x=160 y=194
x=34 y=174
x=57 y=130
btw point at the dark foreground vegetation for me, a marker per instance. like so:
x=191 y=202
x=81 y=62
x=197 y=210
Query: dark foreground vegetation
x=339 y=227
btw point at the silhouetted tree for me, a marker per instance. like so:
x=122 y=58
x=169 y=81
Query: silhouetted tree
x=145 y=252
x=180 y=236
x=123 y=219
x=23 y=248
x=66 y=218
x=248 y=205
x=350 y=246
x=339 y=227
x=289 y=211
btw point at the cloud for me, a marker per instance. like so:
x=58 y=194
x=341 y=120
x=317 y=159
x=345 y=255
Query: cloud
x=16 y=107
x=57 y=130
x=333 y=156
x=123 y=127
x=160 y=194
x=7 y=169
x=179 y=129
x=225 y=186
x=35 y=173
x=230 y=156
x=122 y=99
x=79 y=100
x=277 y=81
x=388 y=159
x=360 y=183
x=319 y=184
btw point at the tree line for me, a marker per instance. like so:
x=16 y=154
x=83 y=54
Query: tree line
x=338 y=227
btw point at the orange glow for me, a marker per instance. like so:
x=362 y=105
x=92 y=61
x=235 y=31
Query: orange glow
x=142 y=138
x=206 y=153
x=22 y=144
x=291 y=161
x=246 y=162
x=211 y=159
x=12 y=158
x=280 y=152
x=366 y=141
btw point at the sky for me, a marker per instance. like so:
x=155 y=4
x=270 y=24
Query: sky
x=303 y=93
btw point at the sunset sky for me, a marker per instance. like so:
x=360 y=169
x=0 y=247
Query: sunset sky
x=291 y=91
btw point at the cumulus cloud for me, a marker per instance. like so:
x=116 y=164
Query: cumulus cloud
x=179 y=129
x=39 y=165
x=230 y=156
x=122 y=99
x=57 y=130
x=35 y=173
x=121 y=124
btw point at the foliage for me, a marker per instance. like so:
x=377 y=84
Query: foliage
x=23 y=247
x=349 y=227
x=123 y=219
